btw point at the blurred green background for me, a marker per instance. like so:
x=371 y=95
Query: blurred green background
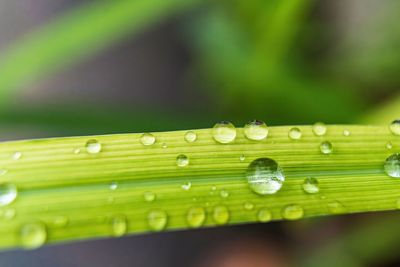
x=96 y=67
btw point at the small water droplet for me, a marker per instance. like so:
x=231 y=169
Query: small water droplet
x=264 y=176
x=196 y=217
x=224 y=193
x=310 y=185
x=295 y=133
x=224 y=132
x=319 y=129
x=336 y=207
x=292 y=212
x=147 y=139
x=157 y=220
x=2 y=172
x=220 y=215
x=392 y=165
x=190 y=136
x=60 y=221
x=8 y=193
x=248 y=205
x=164 y=145
x=186 y=186
x=213 y=188
x=346 y=132
x=77 y=150
x=33 y=235
x=326 y=147
x=264 y=215
x=149 y=196
x=93 y=146
x=17 y=155
x=182 y=160
x=256 y=130
x=389 y=145
x=9 y=214
x=119 y=225
x=113 y=185
x=395 y=127
x=242 y=157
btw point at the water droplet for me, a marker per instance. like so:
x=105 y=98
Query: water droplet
x=33 y=235
x=248 y=205
x=224 y=193
x=265 y=176
x=310 y=185
x=60 y=221
x=242 y=157
x=93 y=146
x=147 y=139
x=264 y=215
x=256 y=130
x=149 y=196
x=196 y=217
x=9 y=214
x=157 y=220
x=17 y=155
x=119 y=225
x=77 y=150
x=186 y=186
x=2 y=172
x=8 y=193
x=392 y=165
x=213 y=188
x=295 y=133
x=395 y=127
x=113 y=185
x=164 y=145
x=224 y=132
x=319 y=129
x=182 y=160
x=389 y=145
x=346 y=132
x=220 y=215
x=336 y=207
x=190 y=136
x=292 y=212
x=326 y=147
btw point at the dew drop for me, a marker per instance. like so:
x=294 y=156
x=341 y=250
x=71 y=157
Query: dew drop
x=196 y=217
x=149 y=196
x=113 y=185
x=264 y=176
x=190 y=136
x=319 y=129
x=264 y=215
x=93 y=146
x=186 y=186
x=346 y=132
x=326 y=147
x=242 y=158
x=2 y=172
x=292 y=212
x=256 y=130
x=182 y=160
x=60 y=221
x=336 y=207
x=295 y=133
x=33 y=235
x=8 y=193
x=224 y=193
x=248 y=205
x=157 y=220
x=224 y=132
x=220 y=215
x=17 y=155
x=77 y=150
x=389 y=145
x=119 y=225
x=147 y=139
x=392 y=165
x=164 y=145
x=310 y=185
x=395 y=127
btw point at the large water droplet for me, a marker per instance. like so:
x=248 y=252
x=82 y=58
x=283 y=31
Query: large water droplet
x=196 y=217
x=190 y=136
x=220 y=215
x=395 y=127
x=326 y=147
x=295 y=133
x=265 y=176
x=149 y=196
x=147 y=139
x=8 y=193
x=182 y=160
x=119 y=225
x=319 y=129
x=93 y=146
x=292 y=212
x=33 y=235
x=17 y=155
x=310 y=185
x=392 y=165
x=264 y=215
x=256 y=130
x=224 y=132
x=157 y=220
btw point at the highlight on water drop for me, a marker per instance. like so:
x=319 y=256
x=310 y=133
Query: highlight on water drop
x=224 y=132
x=265 y=176
x=256 y=130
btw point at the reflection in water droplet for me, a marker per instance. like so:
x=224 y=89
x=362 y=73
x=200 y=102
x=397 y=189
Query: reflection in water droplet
x=93 y=146
x=147 y=139
x=326 y=147
x=182 y=160
x=392 y=165
x=8 y=193
x=220 y=215
x=395 y=127
x=196 y=217
x=256 y=130
x=319 y=129
x=190 y=136
x=264 y=215
x=295 y=133
x=264 y=176
x=310 y=185
x=119 y=225
x=33 y=235
x=149 y=196
x=157 y=220
x=292 y=212
x=224 y=132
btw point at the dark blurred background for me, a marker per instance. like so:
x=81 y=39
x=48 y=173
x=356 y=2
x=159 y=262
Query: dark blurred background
x=95 y=67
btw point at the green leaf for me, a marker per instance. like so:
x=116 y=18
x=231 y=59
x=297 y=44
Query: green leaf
x=66 y=193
